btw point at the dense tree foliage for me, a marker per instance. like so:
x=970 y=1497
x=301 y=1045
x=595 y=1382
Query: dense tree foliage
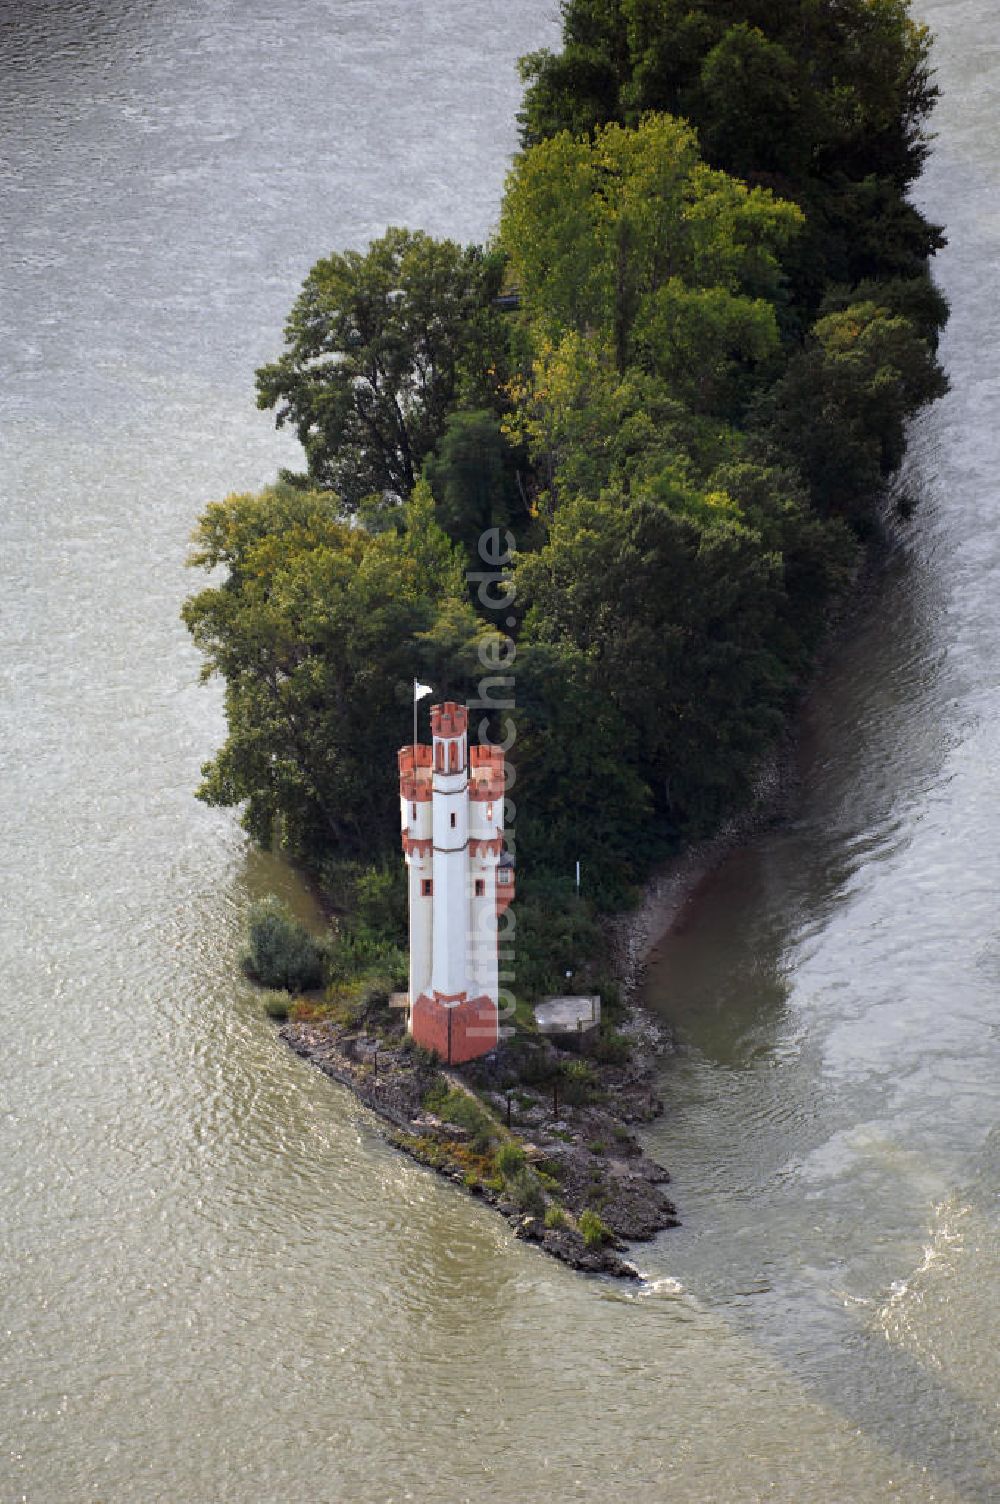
x=318 y=630
x=379 y=347
x=826 y=103
x=717 y=321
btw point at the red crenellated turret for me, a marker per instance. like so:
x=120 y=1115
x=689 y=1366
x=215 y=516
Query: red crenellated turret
x=415 y=772
x=486 y=773
x=449 y=719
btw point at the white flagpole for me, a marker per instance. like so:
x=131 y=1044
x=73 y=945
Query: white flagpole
x=419 y=690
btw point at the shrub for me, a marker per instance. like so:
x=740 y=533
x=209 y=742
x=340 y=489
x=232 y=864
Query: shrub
x=381 y=901
x=359 y=951
x=509 y=1160
x=611 y=1048
x=280 y=952
x=453 y=1106
x=338 y=878
x=579 y=1082
x=555 y=1216
x=277 y=1005
x=594 y=1230
x=527 y=1193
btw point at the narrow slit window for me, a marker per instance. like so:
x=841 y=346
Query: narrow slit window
x=489 y=810
x=426 y=886
x=454 y=821
x=413 y=811
x=480 y=887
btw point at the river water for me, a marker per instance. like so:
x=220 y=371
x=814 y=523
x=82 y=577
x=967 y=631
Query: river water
x=216 y=1282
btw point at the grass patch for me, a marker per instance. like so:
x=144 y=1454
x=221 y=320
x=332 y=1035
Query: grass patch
x=453 y=1106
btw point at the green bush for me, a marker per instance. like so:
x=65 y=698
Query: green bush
x=509 y=1160
x=280 y=952
x=611 y=1048
x=527 y=1193
x=594 y=1230
x=277 y=1004
x=457 y=1107
x=579 y=1082
x=381 y=902
x=359 y=951
x=555 y=1216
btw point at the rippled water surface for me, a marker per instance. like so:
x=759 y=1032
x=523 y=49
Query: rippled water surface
x=216 y=1282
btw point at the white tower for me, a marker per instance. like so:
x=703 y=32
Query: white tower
x=451 y=803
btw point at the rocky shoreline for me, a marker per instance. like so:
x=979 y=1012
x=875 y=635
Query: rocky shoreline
x=579 y=1184
x=582 y=1155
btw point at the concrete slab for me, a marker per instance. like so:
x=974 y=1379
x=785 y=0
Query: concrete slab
x=568 y=1015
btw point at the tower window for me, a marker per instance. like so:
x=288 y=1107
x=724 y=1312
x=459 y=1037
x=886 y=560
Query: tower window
x=454 y=818
x=426 y=887
x=489 y=810
x=413 y=811
x=480 y=887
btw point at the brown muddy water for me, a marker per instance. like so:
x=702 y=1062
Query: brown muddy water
x=216 y=1282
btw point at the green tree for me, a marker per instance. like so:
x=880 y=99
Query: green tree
x=633 y=237
x=841 y=408
x=670 y=598
x=473 y=474
x=379 y=347
x=316 y=630
x=826 y=103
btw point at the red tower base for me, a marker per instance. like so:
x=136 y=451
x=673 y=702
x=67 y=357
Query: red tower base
x=456 y=1032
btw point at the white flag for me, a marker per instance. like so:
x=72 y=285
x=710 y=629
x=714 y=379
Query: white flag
x=420 y=690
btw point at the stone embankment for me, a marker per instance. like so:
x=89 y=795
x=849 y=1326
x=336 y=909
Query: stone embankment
x=586 y=1189
x=580 y=1187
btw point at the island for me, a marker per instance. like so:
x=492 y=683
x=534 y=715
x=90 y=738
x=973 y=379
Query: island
x=604 y=483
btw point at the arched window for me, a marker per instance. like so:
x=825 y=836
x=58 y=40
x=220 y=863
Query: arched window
x=453 y=748
x=439 y=757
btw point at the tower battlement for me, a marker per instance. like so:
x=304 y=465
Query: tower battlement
x=415 y=772
x=486 y=773
x=449 y=719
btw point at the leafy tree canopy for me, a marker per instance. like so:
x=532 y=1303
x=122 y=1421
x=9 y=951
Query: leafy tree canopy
x=318 y=629
x=631 y=236
x=797 y=88
x=724 y=321
x=379 y=347
x=827 y=103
